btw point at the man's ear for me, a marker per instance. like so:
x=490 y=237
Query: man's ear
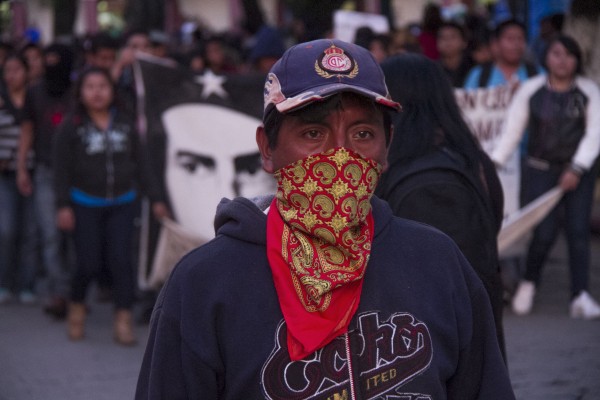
x=265 y=150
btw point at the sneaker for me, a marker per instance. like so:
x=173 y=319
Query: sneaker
x=522 y=302
x=27 y=297
x=584 y=306
x=5 y=296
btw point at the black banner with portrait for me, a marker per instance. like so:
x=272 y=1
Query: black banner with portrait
x=199 y=134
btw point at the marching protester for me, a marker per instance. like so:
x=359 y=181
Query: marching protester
x=45 y=106
x=98 y=164
x=34 y=54
x=331 y=290
x=508 y=64
x=430 y=24
x=102 y=51
x=18 y=243
x=507 y=68
x=439 y=174
x=137 y=41
x=560 y=114
x=268 y=48
x=452 y=48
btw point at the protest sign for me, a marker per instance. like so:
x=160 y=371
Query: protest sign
x=484 y=109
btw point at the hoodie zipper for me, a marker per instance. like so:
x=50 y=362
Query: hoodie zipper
x=350 y=369
x=110 y=165
x=110 y=168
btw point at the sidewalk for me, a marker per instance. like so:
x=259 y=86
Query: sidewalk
x=37 y=361
x=551 y=357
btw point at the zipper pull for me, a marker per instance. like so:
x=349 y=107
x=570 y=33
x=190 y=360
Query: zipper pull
x=350 y=368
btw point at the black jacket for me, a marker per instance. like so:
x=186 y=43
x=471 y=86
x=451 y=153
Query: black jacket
x=438 y=189
x=101 y=163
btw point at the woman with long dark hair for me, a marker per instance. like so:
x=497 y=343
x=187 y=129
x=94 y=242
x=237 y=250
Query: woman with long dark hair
x=98 y=176
x=560 y=112
x=438 y=173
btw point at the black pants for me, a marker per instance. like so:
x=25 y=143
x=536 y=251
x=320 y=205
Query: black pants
x=104 y=234
x=575 y=209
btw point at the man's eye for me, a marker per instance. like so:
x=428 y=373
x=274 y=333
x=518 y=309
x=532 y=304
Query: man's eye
x=313 y=134
x=364 y=134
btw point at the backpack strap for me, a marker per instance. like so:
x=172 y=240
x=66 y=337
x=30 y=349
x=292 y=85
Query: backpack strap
x=486 y=72
x=531 y=69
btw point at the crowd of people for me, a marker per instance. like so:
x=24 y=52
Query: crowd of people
x=72 y=168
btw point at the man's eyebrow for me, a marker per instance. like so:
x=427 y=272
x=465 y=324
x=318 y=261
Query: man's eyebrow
x=207 y=161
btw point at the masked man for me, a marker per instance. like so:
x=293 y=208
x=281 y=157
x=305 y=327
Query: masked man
x=319 y=292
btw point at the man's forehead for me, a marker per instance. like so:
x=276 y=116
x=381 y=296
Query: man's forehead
x=321 y=110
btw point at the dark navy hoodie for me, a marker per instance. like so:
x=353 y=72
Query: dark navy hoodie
x=423 y=330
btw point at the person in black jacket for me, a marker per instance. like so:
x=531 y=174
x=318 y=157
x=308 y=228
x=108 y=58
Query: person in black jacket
x=319 y=292
x=98 y=173
x=438 y=173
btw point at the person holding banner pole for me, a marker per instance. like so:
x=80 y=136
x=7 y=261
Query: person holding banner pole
x=560 y=114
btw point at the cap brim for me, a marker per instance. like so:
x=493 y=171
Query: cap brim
x=322 y=92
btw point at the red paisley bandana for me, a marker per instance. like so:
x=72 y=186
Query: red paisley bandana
x=319 y=235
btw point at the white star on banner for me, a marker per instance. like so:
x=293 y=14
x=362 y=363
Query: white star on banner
x=212 y=84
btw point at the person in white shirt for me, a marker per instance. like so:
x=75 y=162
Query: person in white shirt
x=558 y=111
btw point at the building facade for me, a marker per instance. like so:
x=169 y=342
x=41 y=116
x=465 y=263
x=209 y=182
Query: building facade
x=91 y=16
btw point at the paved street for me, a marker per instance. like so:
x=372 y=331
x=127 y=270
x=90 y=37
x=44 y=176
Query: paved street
x=551 y=357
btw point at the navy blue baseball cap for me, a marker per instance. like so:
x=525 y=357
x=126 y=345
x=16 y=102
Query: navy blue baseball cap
x=313 y=71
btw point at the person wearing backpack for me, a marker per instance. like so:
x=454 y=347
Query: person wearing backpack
x=438 y=174
x=509 y=65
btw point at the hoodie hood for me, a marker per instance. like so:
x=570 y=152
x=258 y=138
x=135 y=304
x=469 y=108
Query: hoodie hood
x=246 y=220
x=243 y=219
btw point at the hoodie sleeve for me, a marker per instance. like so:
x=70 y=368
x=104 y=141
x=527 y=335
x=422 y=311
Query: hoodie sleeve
x=516 y=119
x=589 y=146
x=171 y=369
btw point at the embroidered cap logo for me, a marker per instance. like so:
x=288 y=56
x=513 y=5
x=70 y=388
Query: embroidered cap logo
x=334 y=62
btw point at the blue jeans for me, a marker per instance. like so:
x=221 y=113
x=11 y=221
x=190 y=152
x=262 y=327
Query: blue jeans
x=18 y=245
x=45 y=211
x=104 y=235
x=573 y=213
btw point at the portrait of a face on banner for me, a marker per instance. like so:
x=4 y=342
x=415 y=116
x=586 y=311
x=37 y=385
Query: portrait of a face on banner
x=199 y=131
